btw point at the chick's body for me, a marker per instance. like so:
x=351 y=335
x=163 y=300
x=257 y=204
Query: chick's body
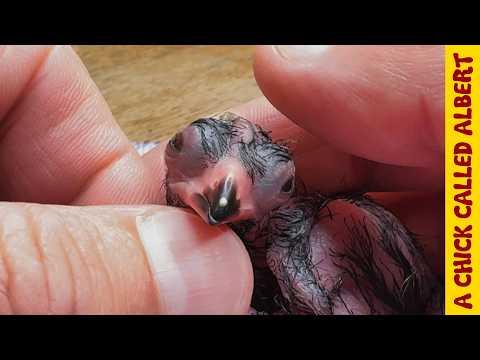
x=310 y=254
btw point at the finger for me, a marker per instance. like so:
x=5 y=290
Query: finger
x=58 y=140
x=382 y=103
x=329 y=170
x=99 y=260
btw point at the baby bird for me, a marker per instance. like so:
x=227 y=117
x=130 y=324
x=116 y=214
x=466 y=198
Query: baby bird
x=311 y=254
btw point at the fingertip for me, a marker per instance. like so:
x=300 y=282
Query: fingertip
x=197 y=268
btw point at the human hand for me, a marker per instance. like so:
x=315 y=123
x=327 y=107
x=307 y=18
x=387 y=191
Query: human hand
x=59 y=144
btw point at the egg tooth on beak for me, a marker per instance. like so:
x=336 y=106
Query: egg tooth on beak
x=218 y=204
x=223 y=204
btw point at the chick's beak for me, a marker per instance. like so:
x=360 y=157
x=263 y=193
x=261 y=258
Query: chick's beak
x=218 y=204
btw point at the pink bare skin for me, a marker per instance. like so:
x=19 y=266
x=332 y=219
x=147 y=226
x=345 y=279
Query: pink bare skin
x=60 y=145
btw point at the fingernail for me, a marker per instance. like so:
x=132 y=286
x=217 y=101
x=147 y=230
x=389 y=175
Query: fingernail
x=198 y=269
x=301 y=52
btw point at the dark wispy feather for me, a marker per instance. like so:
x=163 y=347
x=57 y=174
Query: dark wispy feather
x=216 y=136
x=261 y=151
x=411 y=288
x=287 y=233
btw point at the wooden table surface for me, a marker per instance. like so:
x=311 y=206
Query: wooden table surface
x=154 y=90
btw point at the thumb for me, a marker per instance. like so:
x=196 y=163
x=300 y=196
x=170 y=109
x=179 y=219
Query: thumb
x=118 y=259
x=381 y=103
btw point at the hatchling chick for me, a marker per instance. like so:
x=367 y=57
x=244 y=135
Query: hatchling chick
x=311 y=254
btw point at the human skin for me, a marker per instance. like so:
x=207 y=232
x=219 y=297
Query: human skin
x=131 y=259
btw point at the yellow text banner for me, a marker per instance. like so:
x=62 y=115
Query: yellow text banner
x=462 y=179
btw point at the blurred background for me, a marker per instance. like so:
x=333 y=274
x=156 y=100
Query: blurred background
x=154 y=90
